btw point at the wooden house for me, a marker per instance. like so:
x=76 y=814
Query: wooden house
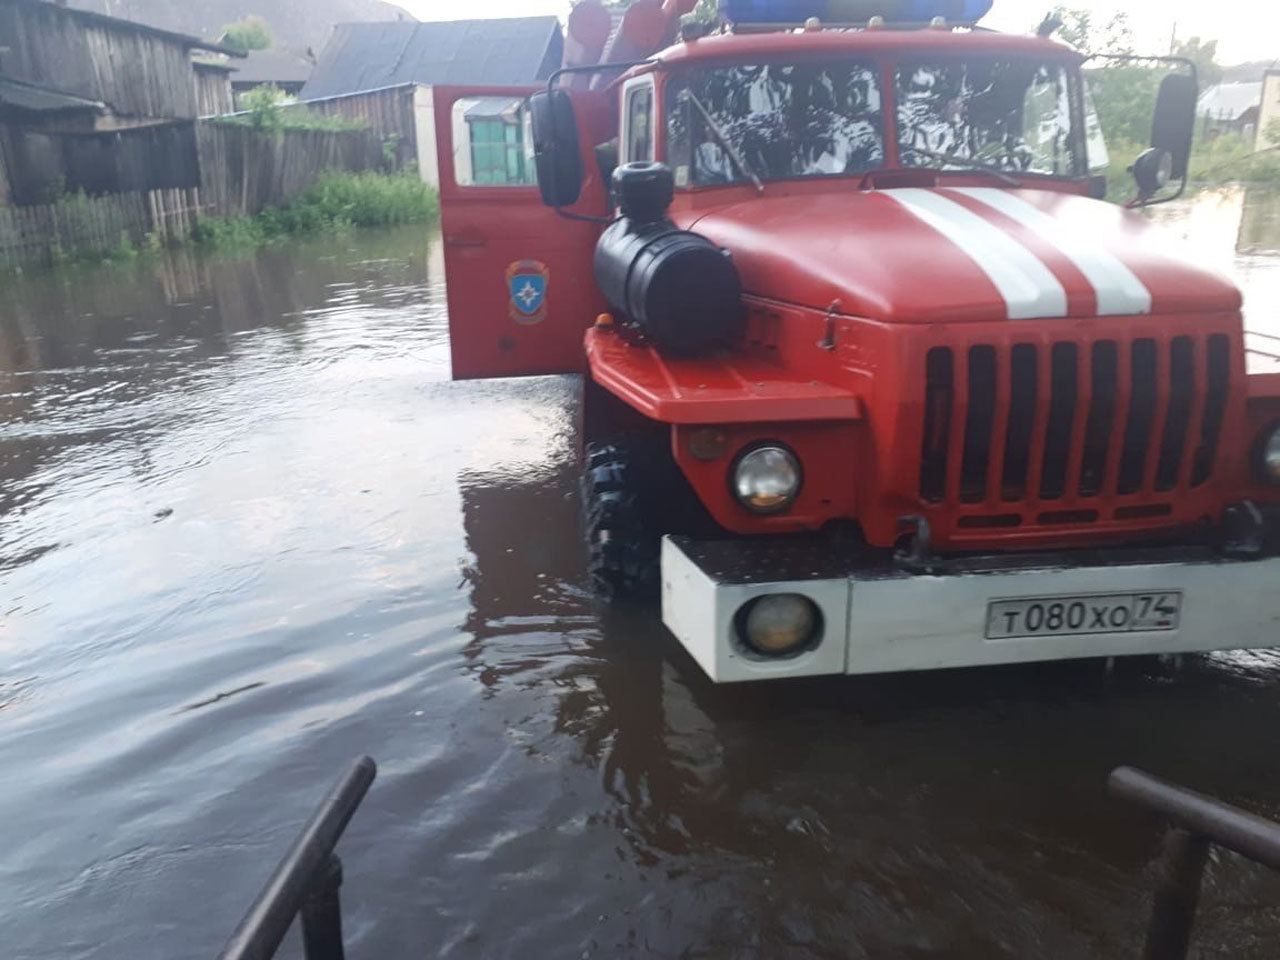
x=98 y=104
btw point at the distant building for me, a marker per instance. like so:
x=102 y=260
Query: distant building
x=370 y=56
x=138 y=74
x=382 y=73
x=1269 y=110
x=91 y=102
x=283 y=69
x=213 y=87
x=1230 y=108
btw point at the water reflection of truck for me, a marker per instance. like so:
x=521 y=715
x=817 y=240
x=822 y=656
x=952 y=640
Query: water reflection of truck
x=878 y=381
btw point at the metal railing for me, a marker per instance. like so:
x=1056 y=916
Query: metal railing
x=1195 y=822
x=306 y=882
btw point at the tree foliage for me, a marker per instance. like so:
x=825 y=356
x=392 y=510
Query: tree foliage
x=1125 y=93
x=251 y=33
x=1125 y=97
x=704 y=11
x=1090 y=33
x=1204 y=54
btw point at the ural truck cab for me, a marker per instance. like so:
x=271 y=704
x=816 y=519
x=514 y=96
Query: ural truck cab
x=875 y=380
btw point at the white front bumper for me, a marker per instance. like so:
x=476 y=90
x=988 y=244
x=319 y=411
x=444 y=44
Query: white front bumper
x=881 y=621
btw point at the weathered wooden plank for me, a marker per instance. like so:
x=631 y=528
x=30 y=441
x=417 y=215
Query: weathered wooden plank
x=137 y=72
x=387 y=113
x=43 y=163
x=38 y=234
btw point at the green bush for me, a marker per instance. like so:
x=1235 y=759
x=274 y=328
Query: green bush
x=370 y=199
x=228 y=232
x=337 y=201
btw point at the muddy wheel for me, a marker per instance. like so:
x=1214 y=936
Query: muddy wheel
x=632 y=494
x=621 y=522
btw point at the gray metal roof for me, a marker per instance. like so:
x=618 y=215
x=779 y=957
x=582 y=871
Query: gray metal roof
x=272 y=66
x=490 y=107
x=1229 y=101
x=368 y=56
x=28 y=96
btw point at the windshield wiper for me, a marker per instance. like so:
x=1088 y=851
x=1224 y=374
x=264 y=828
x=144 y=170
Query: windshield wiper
x=965 y=165
x=723 y=139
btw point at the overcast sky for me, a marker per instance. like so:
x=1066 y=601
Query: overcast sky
x=1245 y=29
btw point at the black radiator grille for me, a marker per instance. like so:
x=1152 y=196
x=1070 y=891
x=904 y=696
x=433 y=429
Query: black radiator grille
x=1007 y=423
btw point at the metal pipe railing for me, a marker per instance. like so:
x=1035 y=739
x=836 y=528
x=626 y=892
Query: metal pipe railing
x=1195 y=821
x=306 y=882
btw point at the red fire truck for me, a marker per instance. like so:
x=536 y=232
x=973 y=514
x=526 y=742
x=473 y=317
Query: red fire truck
x=875 y=377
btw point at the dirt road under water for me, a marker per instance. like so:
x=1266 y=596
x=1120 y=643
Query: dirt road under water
x=249 y=529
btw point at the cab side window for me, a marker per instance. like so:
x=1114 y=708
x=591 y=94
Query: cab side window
x=492 y=146
x=639 y=124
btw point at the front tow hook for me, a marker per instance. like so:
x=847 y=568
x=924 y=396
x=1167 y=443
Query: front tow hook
x=917 y=555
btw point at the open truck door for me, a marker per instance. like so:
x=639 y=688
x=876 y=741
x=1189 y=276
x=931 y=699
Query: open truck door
x=518 y=274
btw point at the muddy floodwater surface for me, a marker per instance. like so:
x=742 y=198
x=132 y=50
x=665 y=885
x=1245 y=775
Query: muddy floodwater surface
x=249 y=529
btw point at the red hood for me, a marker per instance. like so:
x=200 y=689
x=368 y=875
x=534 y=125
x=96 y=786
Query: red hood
x=961 y=254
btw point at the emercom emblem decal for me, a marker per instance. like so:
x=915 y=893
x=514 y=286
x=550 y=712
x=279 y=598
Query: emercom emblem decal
x=527 y=282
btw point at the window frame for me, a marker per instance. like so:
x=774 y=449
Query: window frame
x=643 y=83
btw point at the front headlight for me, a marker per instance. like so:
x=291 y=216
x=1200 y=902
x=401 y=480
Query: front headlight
x=1271 y=455
x=766 y=479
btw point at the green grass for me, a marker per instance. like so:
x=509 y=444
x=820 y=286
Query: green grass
x=335 y=202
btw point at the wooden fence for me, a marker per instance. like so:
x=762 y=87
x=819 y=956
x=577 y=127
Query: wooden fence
x=389 y=113
x=41 y=235
x=243 y=171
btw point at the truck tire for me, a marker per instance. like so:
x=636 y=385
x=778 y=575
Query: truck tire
x=632 y=493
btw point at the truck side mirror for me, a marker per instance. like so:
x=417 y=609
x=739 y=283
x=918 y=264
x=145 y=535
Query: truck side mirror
x=1175 y=120
x=556 y=153
x=1152 y=171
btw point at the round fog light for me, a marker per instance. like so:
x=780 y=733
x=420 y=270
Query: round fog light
x=779 y=623
x=1271 y=456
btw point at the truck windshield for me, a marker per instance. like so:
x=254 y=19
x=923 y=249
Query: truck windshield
x=782 y=121
x=1016 y=116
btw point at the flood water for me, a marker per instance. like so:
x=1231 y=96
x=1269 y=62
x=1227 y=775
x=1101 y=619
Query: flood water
x=249 y=530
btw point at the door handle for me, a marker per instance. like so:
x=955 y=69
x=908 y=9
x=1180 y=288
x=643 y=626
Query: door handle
x=465 y=240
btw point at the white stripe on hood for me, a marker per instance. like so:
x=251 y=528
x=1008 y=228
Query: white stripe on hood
x=1029 y=288
x=1118 y=289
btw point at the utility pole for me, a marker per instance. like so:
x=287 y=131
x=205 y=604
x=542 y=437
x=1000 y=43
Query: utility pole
x=1173 y=38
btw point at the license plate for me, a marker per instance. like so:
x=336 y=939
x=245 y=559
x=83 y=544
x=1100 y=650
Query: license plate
x=1100 y=613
